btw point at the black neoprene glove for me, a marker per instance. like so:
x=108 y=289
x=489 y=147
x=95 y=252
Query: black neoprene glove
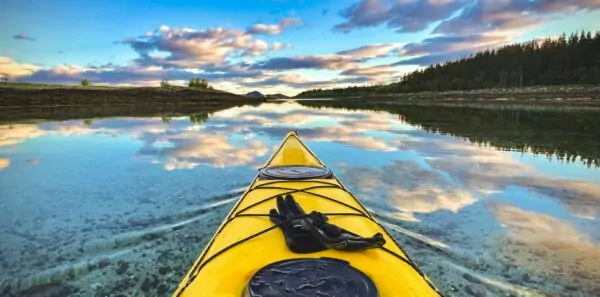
x=311 y=233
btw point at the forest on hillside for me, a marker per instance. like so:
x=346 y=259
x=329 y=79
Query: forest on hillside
x=566 y=60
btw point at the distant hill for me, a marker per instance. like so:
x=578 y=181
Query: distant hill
x=28 y=94
x=565 y=60
x=255 y=94
x=277 y=96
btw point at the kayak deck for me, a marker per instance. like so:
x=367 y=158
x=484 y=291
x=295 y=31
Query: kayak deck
x=247 y=240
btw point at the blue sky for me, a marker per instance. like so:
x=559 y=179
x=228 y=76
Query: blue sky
x=269 y=45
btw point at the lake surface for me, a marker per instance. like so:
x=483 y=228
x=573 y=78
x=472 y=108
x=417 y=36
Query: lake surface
x=487 y=202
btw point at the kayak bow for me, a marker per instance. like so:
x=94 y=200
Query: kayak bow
x=248 y=255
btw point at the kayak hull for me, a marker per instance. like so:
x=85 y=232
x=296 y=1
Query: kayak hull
x=247 y=240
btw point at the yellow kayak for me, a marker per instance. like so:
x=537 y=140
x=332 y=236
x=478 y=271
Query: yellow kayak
x=333 y=247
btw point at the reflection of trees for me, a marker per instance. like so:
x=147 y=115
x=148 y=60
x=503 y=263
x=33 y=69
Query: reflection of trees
x=88 y=122
x=567 y=136
x=198 y=118
x=166 y=119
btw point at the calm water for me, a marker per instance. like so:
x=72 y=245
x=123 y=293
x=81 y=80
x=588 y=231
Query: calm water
x=122 y=206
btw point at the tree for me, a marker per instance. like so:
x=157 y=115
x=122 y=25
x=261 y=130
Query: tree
x=198 y=118
x=165 y=84
x=552 y=61
x=198 y=83
x=4 y=78
x=86 y=82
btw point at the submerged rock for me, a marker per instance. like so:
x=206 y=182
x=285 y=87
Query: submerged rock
x=122 y=267
x=48 y=290
x=163 y=270
x=476 y=291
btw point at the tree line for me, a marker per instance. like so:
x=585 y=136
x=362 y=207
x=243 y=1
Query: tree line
x=565 y=60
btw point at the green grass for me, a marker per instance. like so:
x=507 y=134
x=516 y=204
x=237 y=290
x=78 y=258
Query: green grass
x=38 y=86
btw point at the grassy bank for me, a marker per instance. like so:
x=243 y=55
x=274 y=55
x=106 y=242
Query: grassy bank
x=41 y=95
x=558 y=96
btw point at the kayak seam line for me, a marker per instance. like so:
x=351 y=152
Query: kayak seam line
x=201 y=261
x=320 y=196
x=196 y=271
x=259 y=187
x=279 y=194
x=294 y=181
x=414 y=266
x=308 y=150
x=325 y=213
x=397 y=245
x=200 y=264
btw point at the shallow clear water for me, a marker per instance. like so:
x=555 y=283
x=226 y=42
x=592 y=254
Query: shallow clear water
x=122 y=206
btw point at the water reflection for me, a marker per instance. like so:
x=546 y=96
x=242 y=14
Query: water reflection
x=124 y=205
x=4 y=162
x=531 y=240
x=565 y=134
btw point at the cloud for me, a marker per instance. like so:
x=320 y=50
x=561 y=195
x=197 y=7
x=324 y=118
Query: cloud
x=4 y=163
x=369 y=51
x=486 y=16
x=275 y=120
x=277 y=46
x=493 y=171
x=190 y=149
x=461 y=27
x=429 y=198
x=16 y=133
x=403 y=189
x=136 y=74
x=366 y=13
x=265 y=29
x=547 y=245
x=442 y=48
x=187 y=47
x=335 y=62
x=22 y=36
x=274 y=29
x=457 y=17
x=347 y=59
x=453 y=44
x=403 y=16
x=414 y=189
x=291 y=21
x=581 y=197
x=13 y=69
x=380 y=71
x=431 y=59
x=298 y=81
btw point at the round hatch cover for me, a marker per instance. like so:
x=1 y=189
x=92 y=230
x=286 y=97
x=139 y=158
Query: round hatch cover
x=310 y=277
x=294 y=172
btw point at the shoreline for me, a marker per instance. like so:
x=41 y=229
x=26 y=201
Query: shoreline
x=551 y=95
x=16 y=95
x=28 y=114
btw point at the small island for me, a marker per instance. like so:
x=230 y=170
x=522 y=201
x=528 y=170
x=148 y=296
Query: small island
x=30 y=94
x=46 y=101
